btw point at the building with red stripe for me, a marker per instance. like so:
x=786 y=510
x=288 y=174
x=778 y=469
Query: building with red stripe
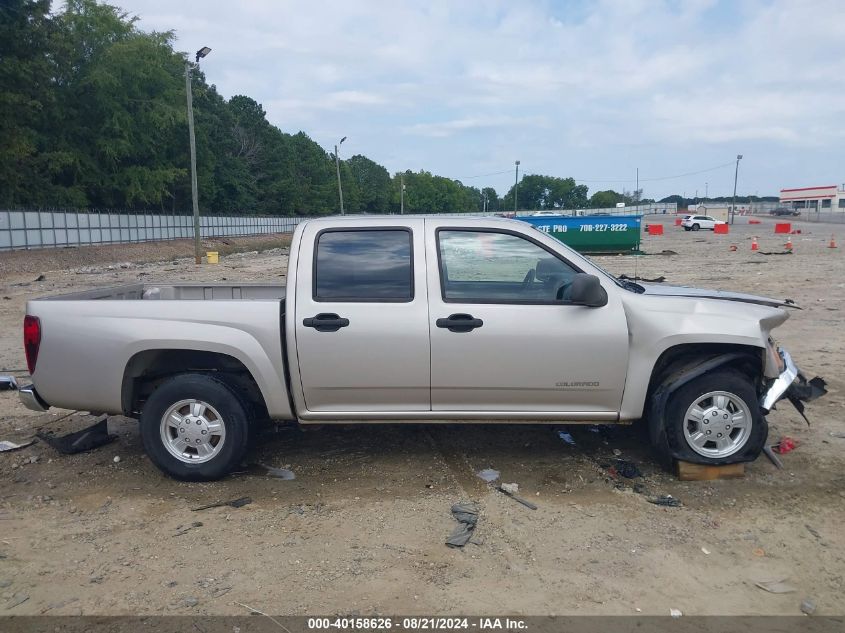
x=825 y=198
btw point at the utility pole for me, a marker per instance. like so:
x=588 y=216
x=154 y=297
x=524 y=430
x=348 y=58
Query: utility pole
x=337 y=165
x=705 y=191
x=736 y=175
x=484 y=206
x=516 y=190
x=205 y=50
x=637 y=190
x=401 y=194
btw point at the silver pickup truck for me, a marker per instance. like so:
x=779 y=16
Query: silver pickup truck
x=415 y=319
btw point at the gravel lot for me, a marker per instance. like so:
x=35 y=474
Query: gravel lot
x=361 y=529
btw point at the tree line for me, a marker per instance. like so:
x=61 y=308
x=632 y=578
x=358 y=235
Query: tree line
x=93 y=115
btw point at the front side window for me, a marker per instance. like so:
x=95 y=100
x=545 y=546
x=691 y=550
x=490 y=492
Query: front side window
x=365 y=265
x=494 y=267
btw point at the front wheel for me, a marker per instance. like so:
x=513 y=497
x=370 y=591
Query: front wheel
x=695 y=227
x=715 y=419
x=195 y=428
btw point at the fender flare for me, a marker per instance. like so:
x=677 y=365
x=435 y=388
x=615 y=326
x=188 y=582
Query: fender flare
x=670 y=384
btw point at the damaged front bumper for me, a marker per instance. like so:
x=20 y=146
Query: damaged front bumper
x=792 y=385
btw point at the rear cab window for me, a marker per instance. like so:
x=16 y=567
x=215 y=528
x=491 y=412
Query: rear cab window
x=371 y=265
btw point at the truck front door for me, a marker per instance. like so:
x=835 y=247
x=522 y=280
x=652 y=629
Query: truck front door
x=362 y=317
x=501 y=338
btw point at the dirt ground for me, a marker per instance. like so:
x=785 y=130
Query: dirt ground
x=361 y=529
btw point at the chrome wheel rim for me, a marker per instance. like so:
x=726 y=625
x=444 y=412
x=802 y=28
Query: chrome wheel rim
x=717 y=424
x=193 y=431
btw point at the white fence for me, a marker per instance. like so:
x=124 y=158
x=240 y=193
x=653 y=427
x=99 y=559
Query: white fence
x=49 y=229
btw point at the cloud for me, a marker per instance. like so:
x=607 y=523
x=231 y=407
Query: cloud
x=580 y=88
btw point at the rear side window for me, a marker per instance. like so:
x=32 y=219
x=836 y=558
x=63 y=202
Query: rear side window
x=373 y=265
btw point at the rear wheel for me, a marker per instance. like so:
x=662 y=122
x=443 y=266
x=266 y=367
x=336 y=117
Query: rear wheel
x=715 y=419
x=195 y=428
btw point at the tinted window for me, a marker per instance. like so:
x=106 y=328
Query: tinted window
x=489 y=267
x=363 y=266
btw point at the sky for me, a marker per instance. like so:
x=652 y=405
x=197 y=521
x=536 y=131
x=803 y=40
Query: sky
x=591 y=90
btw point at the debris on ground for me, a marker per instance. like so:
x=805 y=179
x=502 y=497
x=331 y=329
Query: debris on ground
x=16 y=599
x=466 y=514
x=488 y=474
x=768 y=452
x=184 y=529
x=617 y=452
x=665 y=500
x=116 y=459
x=276 y=473
x=87 y=439
x=511 y=490
x=8 y=383
x=675 y=613
x=628 y=470
x=812 y=531
x=566 y=437
x=6 y=445
x=837 y=434
x=785 y=445
x=776 y=586
x=705 y=551
x=808 y=606
x=41 y=277
x=234 y=503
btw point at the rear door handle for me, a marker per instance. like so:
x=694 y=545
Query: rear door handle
x=325 y=322
x=459 y=322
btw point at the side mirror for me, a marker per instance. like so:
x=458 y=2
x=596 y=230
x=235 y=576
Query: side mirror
x=586 y=290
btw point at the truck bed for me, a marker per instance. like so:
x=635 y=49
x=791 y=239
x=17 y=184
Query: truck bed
x=179 y=292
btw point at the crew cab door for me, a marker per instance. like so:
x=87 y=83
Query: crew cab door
x=501 y=341
x=361 y=317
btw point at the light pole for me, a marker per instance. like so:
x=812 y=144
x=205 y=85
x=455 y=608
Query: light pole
x=401 y=194
x=205 y=50
x=705 y=190
x=337 y=164
x=736 y=175
x=516 y=189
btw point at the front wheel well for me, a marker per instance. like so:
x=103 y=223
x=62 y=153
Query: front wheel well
x=747 y=359
x=148 y=369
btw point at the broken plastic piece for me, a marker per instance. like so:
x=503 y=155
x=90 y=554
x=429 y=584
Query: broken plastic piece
x=566 y=437
x=466 y=513
x=93 y=437
x=776 y=586
x=6 y=445
x=488 y=474
x=8 y=383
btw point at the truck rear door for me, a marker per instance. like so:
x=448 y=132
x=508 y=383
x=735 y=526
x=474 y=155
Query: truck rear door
x=362 y=317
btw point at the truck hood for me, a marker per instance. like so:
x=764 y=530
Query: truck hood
x=700 y=293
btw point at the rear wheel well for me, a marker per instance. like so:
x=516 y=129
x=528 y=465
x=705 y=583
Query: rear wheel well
x=148 y=369
x=750 y=362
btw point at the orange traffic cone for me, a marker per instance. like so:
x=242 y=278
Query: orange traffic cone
x=832 y=242
x=754 y=246
x=788 y=243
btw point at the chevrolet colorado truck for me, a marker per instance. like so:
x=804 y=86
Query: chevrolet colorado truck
x=400 y=319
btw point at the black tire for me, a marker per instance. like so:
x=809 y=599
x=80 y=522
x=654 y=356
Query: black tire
x=726 y=380
x=695 y=227
x=686 y=228
x=233 y=411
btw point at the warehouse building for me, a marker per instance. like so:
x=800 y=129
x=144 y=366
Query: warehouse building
x=828 y=198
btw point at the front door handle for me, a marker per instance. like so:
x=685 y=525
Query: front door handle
x=459 y=323
x=325 y=322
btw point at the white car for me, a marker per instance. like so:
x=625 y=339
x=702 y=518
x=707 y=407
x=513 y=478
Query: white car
x=545 y=213
x=695 y=222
